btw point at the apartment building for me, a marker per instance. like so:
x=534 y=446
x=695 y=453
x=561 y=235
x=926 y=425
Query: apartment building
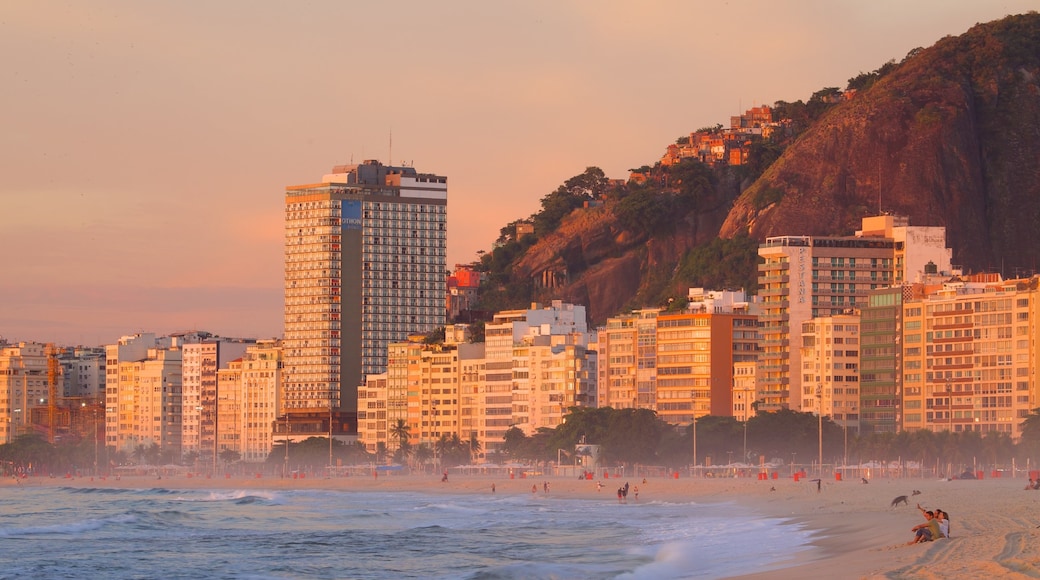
x=881 y=361
x=365 y=254
x=969 y=359
x=260 y=397
x=830 y=360
x=804 y=277
x=532 y=367
x=83 y=373
x=202 y=359
x=697 y=353
x=628 y=359
x=23 y=386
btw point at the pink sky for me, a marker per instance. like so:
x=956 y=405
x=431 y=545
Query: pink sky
x=145 y=147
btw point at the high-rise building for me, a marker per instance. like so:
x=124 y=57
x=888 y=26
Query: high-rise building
x=23 y=385
x=830 y=365
x=365 y=265
x=805 y=277
x=198 y=396
x=880 y=361
x=968 y=356
x=627 y=361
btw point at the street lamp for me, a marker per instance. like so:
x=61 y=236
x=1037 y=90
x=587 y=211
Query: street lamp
x=330 y=436
x=288 y=426
x=745 y=459
x=694 y=440
x=198 y=437
x=819 y=417
x=845 y=432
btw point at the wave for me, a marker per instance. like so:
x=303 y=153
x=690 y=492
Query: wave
x=239 y=497
x=541 y=570
x=70 y=528
x=99 y=490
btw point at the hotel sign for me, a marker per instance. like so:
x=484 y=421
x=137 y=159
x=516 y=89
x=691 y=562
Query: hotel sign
x=351 y=214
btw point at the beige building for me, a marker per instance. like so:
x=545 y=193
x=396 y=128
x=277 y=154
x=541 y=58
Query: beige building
x=23 y=386
x=531 y=369
x=697 y=351
x=830 y=363
x=744 y=390
x=229 y=407
x=260 y=397
x=627 y=361
x=372 y=416
x=969 y=359
x=806 y=277
x=558 y=378
x=203 y=358
x=142 y=390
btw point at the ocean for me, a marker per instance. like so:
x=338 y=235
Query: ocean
x=65 y=532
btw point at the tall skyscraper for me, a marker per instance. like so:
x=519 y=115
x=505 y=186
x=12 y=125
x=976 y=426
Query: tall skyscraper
x=365 y=265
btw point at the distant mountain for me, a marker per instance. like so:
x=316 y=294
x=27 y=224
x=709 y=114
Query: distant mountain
x=949 y=136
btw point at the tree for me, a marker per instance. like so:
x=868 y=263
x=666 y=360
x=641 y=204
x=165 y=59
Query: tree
x=400 y=432
x=513 y=442
x=422 y=455
x=403 y=452
x=571 y=195
x=229 y=456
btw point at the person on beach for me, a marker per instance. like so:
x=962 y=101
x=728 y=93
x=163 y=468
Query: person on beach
x=492 y=489
x=944 y=522
x=927 y=531
x=942 y=519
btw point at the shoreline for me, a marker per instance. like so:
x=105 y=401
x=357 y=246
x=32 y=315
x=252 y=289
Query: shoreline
x=854 y=531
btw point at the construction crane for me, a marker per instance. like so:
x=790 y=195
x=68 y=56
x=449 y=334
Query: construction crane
x=53 y=373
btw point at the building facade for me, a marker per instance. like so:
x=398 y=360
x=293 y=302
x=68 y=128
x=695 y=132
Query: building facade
x=969 y=358
x=804 y=277
x=365 y=256
x=830 y=361
x=881 y=361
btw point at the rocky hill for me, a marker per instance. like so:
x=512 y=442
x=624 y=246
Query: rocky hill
x=950 y=136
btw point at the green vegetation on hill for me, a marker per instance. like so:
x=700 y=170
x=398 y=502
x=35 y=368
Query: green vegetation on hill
x=722 y=264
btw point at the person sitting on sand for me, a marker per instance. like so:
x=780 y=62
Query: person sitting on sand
x=942 y=519
x=927 y=531
x=944 y=522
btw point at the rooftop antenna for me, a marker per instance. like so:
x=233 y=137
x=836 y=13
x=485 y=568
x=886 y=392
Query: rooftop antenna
x=390 y=158
x=879 y=188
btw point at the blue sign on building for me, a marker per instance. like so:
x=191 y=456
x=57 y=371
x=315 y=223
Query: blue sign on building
x=351 y=214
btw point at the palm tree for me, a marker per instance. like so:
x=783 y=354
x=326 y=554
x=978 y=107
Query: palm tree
x=399 y=431
x=474 y=446
x=422 y=455
x=140 y=454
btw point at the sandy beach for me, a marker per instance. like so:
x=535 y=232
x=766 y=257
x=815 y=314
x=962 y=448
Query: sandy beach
x=995 y=526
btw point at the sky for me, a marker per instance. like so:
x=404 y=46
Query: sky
x=145 y=147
